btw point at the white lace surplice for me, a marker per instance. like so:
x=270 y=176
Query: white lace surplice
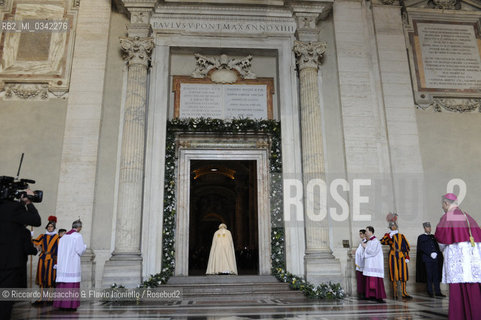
x=359 y=258
x=462 y=263
x=373 y=259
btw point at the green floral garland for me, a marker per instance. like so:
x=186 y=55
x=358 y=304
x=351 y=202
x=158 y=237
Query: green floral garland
x=235 y=126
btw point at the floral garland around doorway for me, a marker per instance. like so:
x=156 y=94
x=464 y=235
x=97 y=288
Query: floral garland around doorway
x=235 y=126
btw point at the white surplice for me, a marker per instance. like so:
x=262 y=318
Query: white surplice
x=373 y=259
x=462 y=262
x=222 y=254
x=359 y=259
x=70 y=248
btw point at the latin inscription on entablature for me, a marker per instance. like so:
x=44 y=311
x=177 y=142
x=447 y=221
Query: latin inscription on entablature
x=161 y=23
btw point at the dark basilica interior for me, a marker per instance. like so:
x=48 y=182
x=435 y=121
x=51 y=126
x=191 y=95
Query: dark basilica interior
x=223 y=192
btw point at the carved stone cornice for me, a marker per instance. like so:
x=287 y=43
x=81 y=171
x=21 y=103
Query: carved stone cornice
x=137 y=50
x=205 y=64
x=322 y=9
x=454 y=105
x=26 y=91
x=307 y=17
x=189 y=8
x=309 y=54
x=139 y=3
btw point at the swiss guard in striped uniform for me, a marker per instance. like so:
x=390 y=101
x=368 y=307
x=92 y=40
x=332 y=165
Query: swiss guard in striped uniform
x=398 y=256
x=48 y=245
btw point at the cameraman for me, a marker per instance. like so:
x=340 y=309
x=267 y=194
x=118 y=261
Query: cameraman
x=14 y=215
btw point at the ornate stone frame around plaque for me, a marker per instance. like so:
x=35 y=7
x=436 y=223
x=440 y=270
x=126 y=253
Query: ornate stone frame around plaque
x=445 y=59
x=37 y=65
x=219 y=75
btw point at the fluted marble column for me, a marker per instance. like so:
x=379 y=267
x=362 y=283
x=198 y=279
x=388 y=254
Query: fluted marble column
x=318 y=253
x=129 y=211
x=125 y=265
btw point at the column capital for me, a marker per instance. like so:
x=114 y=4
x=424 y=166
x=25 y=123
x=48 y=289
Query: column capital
x=137 y=50
x=309 y=54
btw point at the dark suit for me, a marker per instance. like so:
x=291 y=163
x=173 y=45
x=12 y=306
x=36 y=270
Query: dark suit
x=29 y=249
x=429 y=269
x=13 y=218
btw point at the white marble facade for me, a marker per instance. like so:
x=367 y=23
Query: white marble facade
x=342 y=92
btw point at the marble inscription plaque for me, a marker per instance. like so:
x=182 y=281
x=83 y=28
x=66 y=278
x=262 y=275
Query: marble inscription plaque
x=448 y=57
x=223 y=101
x=201 y=100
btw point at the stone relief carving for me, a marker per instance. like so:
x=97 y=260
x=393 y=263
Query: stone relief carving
x=307 y=26
x=205 y=64
x=139 y=17
x=306 y=21
x=26 y=91
x=389 y=2
x=445 y=4
x=76 y=3
x=309 y=54
x=455 y=105
x=137 y=50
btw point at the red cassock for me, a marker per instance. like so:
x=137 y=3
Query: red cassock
x=462 y=263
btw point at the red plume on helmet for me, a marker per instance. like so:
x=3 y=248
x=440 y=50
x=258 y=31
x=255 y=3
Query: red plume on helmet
x=52 y=220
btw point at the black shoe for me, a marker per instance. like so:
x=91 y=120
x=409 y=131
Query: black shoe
x=380 y=301
x=407 y=297
x=431 y=295
x=440 y=295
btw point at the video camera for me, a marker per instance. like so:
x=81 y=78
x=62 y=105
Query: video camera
x=13 y=188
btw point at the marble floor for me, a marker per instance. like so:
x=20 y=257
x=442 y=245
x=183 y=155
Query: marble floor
x=420 y=307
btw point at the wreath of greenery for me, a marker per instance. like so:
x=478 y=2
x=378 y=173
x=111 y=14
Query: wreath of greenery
x=235 y=126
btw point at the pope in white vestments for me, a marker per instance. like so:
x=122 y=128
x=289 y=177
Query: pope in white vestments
x=222 y=254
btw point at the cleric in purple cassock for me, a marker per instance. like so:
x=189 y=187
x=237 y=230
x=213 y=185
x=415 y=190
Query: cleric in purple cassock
x=459 y=237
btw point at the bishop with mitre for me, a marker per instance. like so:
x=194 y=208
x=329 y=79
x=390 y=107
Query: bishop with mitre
x=222 y=254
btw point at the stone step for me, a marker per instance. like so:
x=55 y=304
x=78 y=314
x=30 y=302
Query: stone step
x=222 y=279
x=233 y=288
x=251 y=297
x=224 y=289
